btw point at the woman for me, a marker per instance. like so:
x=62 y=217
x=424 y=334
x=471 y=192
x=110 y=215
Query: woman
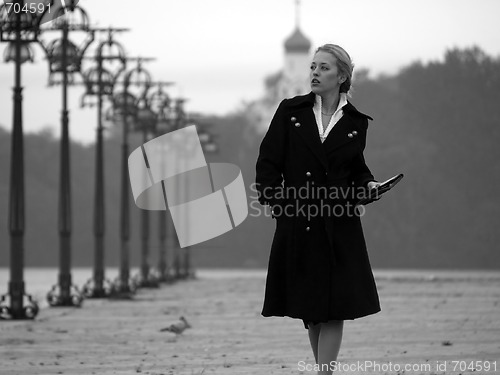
x=311 y=171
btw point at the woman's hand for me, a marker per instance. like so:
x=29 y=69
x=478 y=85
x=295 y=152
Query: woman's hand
x=373 y=185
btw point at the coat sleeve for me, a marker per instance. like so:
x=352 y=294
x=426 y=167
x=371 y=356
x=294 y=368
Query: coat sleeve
x=360 y=173
x=271 y=160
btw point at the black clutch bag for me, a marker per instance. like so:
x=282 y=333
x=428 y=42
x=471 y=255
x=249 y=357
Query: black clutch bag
x=384 y=187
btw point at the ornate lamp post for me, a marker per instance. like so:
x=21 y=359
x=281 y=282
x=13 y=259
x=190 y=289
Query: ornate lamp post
x=160 y=102
x=100 y=82
x=125 y=107
x=209 y=146
x=179 y=120
x=18 y=28
x=65 y=58
x=146 y=123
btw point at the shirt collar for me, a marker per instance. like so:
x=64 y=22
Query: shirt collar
x=342 y=101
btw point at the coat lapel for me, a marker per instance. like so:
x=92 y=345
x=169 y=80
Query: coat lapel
x=341 y=134
x=304 y=123
x=308 y=131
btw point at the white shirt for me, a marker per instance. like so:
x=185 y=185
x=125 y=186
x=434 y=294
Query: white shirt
x=337 y=115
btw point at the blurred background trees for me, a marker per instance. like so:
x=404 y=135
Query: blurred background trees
x=438 y=123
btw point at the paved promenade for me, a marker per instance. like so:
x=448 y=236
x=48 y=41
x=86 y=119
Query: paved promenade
x=426 y=323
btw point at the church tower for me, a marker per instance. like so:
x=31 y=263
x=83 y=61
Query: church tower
x=297 y=60
x=290 y=81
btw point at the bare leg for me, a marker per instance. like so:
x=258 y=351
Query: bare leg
x=314 y=338
x=330 y=338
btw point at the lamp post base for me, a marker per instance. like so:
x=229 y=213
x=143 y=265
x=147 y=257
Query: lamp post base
x=56 y=298
x=123 y=290
x=152 y=280
x=165 y=276
x=94 y=289
x=28 y=310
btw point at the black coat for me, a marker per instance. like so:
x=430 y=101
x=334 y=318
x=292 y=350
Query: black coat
x=318 y=266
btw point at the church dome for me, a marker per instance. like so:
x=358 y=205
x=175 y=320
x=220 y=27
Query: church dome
x=297 y=42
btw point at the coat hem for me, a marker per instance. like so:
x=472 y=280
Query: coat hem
x=316 y=321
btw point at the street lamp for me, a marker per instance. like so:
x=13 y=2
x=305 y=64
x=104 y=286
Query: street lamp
x=26 y=53
x=161 y=104
x=18 y=28
x=65 y=58
x=209 y=146
x=100 y=82
x=181 y=271
x=145 y=123
x=125 y=108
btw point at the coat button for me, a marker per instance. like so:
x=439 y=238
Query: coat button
x=297 y=124
x=349 y=135
x=354 y=132
x=308 y=229
x=293 y=119
x=308 y=174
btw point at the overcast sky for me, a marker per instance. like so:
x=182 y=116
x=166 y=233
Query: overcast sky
x=219 y=51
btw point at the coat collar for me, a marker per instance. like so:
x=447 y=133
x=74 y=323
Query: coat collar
x=309 y=99
x=301 y=106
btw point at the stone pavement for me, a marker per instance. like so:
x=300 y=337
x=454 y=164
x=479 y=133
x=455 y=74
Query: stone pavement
x=444 y=323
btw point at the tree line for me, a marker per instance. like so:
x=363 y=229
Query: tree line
x=436 y=122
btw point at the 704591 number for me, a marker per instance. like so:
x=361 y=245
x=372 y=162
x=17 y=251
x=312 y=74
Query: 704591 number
x=31 y=8
x=474 y=365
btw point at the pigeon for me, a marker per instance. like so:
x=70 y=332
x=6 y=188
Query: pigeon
x=177 y=327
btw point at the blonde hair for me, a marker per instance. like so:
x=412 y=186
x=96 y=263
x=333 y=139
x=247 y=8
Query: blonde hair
x=344 y=64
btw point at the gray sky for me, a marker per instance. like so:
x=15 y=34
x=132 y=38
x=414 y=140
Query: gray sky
x=219 y=51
